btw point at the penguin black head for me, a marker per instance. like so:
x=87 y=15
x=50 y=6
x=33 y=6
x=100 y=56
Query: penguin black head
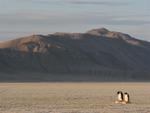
x=119 y=92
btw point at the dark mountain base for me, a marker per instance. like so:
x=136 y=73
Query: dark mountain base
x=97 y=77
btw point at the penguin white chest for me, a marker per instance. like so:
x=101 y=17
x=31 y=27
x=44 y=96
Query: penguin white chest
x=126 y=98
x=119 y=97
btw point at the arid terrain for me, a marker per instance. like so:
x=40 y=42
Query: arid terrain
x=72 y=97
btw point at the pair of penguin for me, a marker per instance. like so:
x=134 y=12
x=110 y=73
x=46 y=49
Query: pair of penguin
x=122 y=98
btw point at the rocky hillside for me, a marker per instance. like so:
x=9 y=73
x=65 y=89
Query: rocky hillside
x=96 y=55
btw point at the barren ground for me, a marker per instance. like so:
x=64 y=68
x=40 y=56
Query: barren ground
x=72 y=97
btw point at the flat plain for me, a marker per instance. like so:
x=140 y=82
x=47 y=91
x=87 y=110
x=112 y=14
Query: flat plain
x=73 y=97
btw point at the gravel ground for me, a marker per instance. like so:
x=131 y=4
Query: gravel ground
x=72 y=98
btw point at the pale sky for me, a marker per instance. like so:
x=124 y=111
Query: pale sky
x=26 y=17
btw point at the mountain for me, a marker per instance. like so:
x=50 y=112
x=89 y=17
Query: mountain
x=97 y=55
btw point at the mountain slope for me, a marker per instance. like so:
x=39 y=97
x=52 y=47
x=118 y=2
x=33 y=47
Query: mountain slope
x=96 y=55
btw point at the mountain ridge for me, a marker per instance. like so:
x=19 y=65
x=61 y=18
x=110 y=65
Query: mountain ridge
x=98 y=54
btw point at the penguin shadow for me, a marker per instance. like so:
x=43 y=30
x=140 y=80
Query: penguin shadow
x=122 y=98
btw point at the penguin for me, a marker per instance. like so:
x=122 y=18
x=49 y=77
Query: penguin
x=126 y=97
x=119 y=97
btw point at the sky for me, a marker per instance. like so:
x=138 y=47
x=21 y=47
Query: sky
x=27 y=17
